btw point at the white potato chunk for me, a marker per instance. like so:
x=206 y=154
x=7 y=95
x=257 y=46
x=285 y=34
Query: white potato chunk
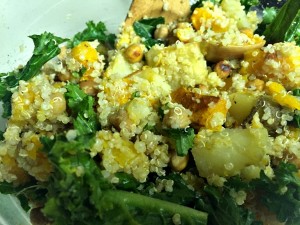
x=241 y=105
x=231 y=152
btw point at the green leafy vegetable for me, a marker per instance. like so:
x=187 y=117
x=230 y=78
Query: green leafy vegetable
x=79 y=73
x=285 y=26
x=183 y=138
x=79 y=194
x=281 y=195
x=223 y=209
x=269 y=14
x=296 y=119
x=131 y=208
x=145 y=28
x=296 y=92
x=94 y=32
x=46 y=46
x=136 y=94
x=1 y=135
x=82 y=109
x=181 y=194
x=74 y=182
x=293 y=33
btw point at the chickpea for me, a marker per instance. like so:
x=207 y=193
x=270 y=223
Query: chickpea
x=178 y=163
x=58 y=102
x=257 y=84
x=161 y=32
x=134 y=53
x=121 y=116
x=88 y=87
x=223 y=69
x=64 y=76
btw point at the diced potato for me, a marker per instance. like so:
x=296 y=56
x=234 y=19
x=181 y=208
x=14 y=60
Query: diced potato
x=138 y=109
x=241 y=105
x=119 y=67
x=231 y=152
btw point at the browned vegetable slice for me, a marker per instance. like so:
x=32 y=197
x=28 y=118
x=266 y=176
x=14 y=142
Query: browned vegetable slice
x=171 y=10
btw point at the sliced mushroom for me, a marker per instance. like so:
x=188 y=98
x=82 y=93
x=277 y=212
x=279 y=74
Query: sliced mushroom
x=217 y=52
x=170 y=10
x=269 y=113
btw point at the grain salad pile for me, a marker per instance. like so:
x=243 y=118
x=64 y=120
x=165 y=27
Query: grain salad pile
x=205 y=99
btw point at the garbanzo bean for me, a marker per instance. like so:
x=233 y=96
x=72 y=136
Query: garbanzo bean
x=64 y=76
x=58 y=103
x=134 y=53
x=161 y=32
x=223 y=69
x=178 y=163
x=88 y=87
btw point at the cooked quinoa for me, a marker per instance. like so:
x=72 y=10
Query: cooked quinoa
x=240 y=108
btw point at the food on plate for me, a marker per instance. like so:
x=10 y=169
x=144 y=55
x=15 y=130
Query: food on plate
x=191 y=118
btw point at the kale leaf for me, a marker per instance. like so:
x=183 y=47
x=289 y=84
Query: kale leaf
x=74 y=183
x=46 y=46
x=223 y=209
x=145 y=28
x=82 y=109
x=1 y=135
x=286 y=24
x=293 y=33
x=183 y=139
x=132 y=208
x=281 y=195
x=94 y=32
x=296 y=119
x=182 y=194
x=79 y=194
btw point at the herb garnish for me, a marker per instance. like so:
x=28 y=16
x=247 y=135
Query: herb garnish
x=145 y=28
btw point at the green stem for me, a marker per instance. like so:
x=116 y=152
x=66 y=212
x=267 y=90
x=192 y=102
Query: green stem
x=140 y=205
x=277 y=30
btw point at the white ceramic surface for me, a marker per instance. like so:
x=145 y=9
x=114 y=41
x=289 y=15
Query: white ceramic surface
x=21 y=18
x=64 y=18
